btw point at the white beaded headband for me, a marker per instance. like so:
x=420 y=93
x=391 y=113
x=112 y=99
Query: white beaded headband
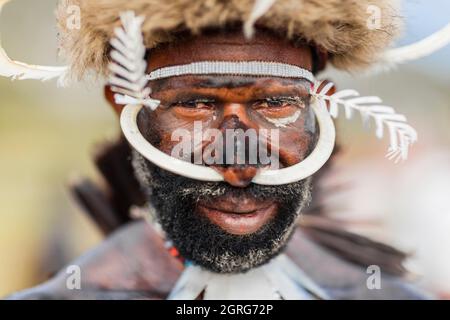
x=238 y=68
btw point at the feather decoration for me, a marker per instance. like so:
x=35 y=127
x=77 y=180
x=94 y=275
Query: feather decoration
x=278 y=279
x=21 y=71
x=401 y=134
x=425 y=47
x=259 y=9
x=128 y=66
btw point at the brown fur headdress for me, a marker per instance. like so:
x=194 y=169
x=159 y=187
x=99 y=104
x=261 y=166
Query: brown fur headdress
x=338 y=26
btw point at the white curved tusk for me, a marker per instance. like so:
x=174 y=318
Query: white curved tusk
x=302 y=170
x=420 y=49
x=21 y=71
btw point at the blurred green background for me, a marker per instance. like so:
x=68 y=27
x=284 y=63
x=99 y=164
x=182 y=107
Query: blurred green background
x=47 y=135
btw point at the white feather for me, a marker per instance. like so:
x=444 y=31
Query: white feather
x=128 y=66
x=327 y=88
x=401 y=134
x=285 y=267
x=21 y=71
x=190 y=284
x=425 y=47
x=259 y=9
x=280 y=278
x=125 y=100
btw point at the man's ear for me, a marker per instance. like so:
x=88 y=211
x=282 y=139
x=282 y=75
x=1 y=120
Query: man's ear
x=109 y=95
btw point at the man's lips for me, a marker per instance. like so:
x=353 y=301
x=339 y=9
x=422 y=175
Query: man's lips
x=239 y=218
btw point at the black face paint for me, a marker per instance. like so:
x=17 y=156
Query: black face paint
x=197 y=239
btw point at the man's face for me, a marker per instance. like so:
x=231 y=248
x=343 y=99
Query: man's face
x=234 y=225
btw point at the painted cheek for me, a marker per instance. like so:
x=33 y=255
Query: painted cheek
x=293 y=148
x=277 y=113
x=188 y=114
x=294 y=143
x=172 y=124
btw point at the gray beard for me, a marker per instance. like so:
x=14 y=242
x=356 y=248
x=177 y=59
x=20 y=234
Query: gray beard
x=174 y=199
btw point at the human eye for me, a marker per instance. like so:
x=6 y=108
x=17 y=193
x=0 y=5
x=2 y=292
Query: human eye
x=279 y=103
x=194 y=104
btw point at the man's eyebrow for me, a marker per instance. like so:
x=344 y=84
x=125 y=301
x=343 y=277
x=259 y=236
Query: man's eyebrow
x=190 y=96
x=244 y=81
x=214 y=82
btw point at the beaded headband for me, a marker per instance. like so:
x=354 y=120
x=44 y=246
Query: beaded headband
x=237 y=68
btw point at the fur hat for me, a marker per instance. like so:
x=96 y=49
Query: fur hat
x=339 y=27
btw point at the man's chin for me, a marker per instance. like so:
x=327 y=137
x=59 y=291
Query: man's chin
x=229 y=263
x=226 y=242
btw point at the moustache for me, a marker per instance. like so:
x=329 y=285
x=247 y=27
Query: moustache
x=165 y=183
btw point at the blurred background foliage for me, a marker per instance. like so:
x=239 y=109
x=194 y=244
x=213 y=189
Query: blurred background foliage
x=47 y=136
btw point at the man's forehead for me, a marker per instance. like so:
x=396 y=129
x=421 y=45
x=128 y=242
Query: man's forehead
x=230 y=46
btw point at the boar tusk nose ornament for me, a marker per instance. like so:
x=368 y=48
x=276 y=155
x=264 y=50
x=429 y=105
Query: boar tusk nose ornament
x=302 y=170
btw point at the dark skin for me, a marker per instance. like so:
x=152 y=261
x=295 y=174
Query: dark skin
x=232 y=102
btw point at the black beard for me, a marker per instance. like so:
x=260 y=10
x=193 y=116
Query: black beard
x=202 y=242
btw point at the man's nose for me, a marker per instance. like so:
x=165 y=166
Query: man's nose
x=235 y=117
x=237 y=111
